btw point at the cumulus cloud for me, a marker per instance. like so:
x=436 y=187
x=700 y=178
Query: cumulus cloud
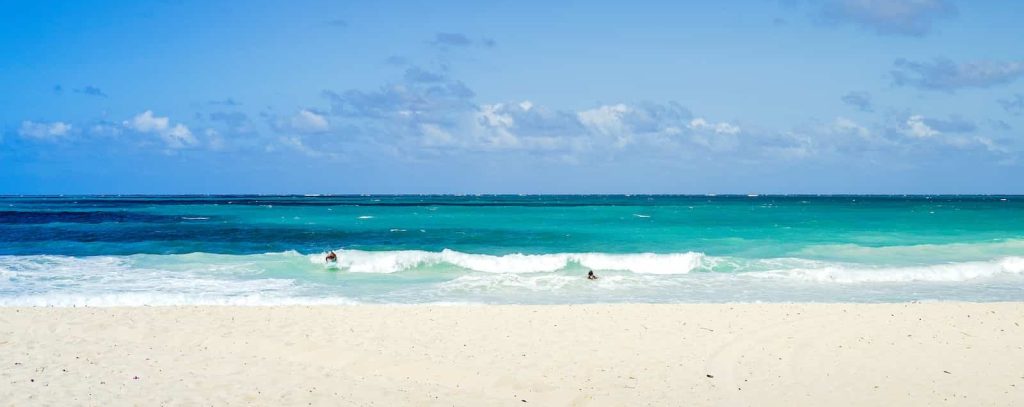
x=214 y=140
x=305 y=121
x=608 y=119
x=105 y=129
x=846 y=138
x=301 y=144
x=888 y=17
x=846 y=127
x=178 y=136
x=953 y=124
x=859 y=100
x=712 y=136
x=643 y=118
x=1014 y=105
x=837 y=137
x=435 y=136
x=717 y=128
x=496 y=115
x=435 y=112
x=403 y=101
x=146 y=122
x=945 y=75
x=296 y=143
x=44 y=131
x=430 y=115
x=916 y=127
x=490 y=127
x=174 y=136
x=520 y=126
x=647 y=122
x=954 y=132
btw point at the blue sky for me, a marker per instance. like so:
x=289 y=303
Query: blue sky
x=792 y=96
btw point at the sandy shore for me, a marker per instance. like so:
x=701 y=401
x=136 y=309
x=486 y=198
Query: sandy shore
x=748 y=354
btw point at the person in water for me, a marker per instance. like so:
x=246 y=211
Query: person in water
x=331 y=257
x=591 y=275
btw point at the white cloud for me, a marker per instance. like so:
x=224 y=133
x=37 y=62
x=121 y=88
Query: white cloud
x=493 y=116
x=609 y=120
x=179 y=136
x=605 y=119
x=991 y=145
x=446 y=119
x=105 y=129
x=498 y=127
x=843 y=125
x=145 y=122
x=699 y=124
x=842 y=136
x=497 y=136
x=519 y=126
x=176 y=136
x=434 y=135
x=916 y=127
x=214 y=140
x=306 y=121
x=297 y=144
x=44 y=131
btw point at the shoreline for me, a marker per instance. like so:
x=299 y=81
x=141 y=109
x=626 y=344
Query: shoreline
x=355 y=304
x=915 y=353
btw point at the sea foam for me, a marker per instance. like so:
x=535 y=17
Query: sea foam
x=358 y=261
x=952 y=272
x=411 y=276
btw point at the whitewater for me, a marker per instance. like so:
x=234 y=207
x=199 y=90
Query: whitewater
x=254 y=250
x=406 y=277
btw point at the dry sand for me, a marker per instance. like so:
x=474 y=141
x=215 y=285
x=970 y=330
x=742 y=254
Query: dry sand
x=600 y=355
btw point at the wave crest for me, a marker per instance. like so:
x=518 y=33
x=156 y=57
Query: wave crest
x=951 y=272
x=358 y=261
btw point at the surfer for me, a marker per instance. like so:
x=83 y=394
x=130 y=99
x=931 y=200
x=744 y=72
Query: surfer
x=591 y=275
x=331 y=257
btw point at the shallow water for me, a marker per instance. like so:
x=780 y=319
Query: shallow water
x=509 y=249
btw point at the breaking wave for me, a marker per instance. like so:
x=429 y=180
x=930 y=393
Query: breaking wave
x=357 y=261
x=952 y=272
x=413 y=276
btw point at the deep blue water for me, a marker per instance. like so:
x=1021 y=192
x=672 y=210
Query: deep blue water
x=136 y=250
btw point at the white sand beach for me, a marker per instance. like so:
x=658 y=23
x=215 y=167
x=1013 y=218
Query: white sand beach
x=585 y=355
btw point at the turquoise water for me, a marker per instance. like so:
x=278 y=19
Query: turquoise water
x=92 y=250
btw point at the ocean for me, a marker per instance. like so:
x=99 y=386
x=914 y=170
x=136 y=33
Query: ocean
x=508 y=249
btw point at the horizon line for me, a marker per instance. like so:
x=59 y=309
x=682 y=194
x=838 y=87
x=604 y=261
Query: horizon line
x=319 y=195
